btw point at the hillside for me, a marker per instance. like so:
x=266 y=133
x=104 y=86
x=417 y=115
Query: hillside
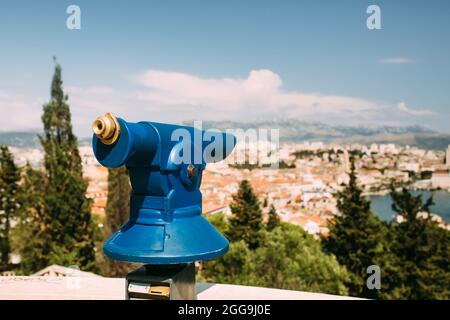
x=297 y=131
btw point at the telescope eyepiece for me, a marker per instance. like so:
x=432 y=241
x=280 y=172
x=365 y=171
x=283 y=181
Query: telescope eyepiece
x=106 y=128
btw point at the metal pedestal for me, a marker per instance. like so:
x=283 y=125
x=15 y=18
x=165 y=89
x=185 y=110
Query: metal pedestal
x=162 y=282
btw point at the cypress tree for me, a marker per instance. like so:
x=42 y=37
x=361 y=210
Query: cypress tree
x=65 y=199
x=246 y=219
x=118 y=203
x=274 y=219
x=117 y=213
x=422 y=250
x=356 y=236
x=9 y=202
x=265 y=202
x=63 y=213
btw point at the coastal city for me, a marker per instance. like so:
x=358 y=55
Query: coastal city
x=302 y=185
x=220 y=150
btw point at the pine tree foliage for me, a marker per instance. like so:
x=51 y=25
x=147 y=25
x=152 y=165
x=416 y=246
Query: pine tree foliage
x=118 y=203
x=117 y=213
x=273 y=220
x=31 y=235
x=9 y=200
x=246 y=220
x=356 y=236
x=287 y=258
x=421 y=248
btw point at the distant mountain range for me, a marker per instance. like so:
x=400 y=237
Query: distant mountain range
x=297 y=131
x=27 y=139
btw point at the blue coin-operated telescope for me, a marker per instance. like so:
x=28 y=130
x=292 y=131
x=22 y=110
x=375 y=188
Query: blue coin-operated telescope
x=166 y=230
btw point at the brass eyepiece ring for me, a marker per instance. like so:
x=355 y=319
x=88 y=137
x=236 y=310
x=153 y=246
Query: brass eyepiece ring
x=106 y=128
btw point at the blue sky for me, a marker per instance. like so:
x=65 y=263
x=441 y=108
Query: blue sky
x=241 y=60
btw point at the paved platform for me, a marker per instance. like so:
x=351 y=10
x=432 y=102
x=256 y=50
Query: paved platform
x=100 y=288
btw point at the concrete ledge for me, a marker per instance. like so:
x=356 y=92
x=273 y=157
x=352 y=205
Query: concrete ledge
x=100 y=288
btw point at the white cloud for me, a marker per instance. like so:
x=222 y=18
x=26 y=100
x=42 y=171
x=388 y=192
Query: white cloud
x=259 y=94
x=19 y=112
x=165 y=96
x=414 y=112
x=396 y=60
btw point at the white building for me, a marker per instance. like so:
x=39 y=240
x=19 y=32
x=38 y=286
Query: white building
x=440 y=179
x=447 y=157
x=409 y=166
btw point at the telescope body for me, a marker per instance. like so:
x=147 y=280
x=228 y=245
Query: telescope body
x=165 y=164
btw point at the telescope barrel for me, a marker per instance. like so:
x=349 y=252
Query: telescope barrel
x=117 y=142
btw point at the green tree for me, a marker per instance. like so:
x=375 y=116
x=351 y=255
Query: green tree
x=422 y=250
x=232 y=268
x=31 y=236
x=246 y=220
x=118 y=202
x=219 y=222
x=9 y=202
x=274 y=219
x=69 y=231
x=117 y=213
x=288 y=258
x=356 y=236
x=265 y=202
